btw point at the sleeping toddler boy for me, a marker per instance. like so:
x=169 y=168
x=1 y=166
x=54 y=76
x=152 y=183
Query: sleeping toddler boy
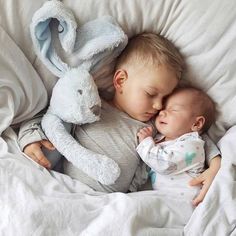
x=147 y=71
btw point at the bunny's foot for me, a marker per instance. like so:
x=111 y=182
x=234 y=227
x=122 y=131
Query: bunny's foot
x=97 y=166
x=108 y=170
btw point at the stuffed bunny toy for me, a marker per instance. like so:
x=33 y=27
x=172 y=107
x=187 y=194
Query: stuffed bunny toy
x=75 y=97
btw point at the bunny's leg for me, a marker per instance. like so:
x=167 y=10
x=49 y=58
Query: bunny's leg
x=97 y=166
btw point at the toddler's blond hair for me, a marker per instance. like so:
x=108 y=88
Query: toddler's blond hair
x=152 y=48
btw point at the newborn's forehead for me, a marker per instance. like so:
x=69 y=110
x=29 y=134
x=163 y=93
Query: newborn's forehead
x=181 y=98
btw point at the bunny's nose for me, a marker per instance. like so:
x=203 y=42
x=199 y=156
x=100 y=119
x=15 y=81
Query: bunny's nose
x=95 y=110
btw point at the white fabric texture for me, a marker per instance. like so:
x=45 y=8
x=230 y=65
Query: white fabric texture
x=34 y=201
x=22 y=93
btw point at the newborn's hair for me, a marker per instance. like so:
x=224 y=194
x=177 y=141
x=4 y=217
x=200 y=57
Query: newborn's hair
x=150 y=48
x=203 y=105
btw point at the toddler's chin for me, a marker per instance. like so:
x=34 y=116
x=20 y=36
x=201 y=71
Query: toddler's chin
x=144 y=119
x=141 y=117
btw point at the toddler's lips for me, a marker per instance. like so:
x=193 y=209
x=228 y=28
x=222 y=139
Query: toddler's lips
x=150 y=114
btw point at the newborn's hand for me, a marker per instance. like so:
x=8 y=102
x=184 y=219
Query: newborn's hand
x=34 y=151
x=144 y=133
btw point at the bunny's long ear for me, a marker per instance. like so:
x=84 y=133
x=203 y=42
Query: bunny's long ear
x=42 y=36
x=97 y=43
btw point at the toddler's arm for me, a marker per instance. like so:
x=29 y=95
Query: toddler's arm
x=31 y=139
x=206 y=179
x=213 y=159
x=211 y=150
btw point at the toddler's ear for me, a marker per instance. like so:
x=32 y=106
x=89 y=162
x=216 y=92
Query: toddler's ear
x=119 y=78
x=198 y=124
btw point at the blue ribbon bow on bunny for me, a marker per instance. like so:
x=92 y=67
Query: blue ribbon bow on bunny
x=75 y=97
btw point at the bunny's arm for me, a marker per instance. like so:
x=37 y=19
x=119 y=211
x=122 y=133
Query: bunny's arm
x=97 y=166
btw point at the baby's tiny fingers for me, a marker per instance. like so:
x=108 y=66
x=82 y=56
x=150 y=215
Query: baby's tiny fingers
x=144 y=131
x=149 y=128
x=146 y=128
x=141 y=132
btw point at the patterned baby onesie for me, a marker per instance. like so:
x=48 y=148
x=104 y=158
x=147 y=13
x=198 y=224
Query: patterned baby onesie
x=174 y=163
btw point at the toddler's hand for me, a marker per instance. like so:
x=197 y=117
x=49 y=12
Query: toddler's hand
x=206 y=179
x=34 y=151
x=144 y=133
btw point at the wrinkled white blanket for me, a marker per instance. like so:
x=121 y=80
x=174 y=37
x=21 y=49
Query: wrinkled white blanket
x=34 y=201
x=18 y=99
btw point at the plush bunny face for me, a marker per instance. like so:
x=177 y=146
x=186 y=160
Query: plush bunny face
x=75 y=98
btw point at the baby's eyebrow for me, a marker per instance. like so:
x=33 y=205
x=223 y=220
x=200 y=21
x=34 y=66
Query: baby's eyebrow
x=175 y=105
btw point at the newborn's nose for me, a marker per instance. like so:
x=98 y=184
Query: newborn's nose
x=162 y=113
x=95 y=110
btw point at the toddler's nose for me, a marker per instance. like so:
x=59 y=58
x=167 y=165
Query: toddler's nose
x=157 y=105
x=95 y=110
